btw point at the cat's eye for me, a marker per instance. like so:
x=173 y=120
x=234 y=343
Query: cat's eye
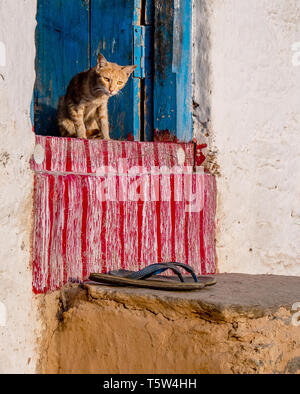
x=120 y=83
x=106 y=79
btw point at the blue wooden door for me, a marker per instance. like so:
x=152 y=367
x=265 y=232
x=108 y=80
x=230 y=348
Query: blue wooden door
x=62 y=51
x=154 y=34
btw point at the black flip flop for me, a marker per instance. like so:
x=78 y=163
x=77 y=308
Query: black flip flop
x=140 y=278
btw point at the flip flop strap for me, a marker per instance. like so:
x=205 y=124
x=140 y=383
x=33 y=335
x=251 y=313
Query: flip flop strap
x=155 y=269
x=187 y=268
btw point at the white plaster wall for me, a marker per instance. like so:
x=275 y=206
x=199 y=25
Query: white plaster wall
x=17 y=334
x=255 y=125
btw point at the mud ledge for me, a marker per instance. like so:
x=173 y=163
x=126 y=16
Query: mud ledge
x=243 y=324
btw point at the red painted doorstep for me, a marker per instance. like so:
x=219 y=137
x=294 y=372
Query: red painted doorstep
x=76 y=233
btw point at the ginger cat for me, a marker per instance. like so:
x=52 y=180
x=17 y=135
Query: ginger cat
x=83 y=112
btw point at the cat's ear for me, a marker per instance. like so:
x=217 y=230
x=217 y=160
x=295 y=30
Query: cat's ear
x=129 y=69
x=101 y=61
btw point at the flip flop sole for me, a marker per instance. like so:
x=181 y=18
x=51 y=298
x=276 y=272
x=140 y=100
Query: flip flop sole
x=160 y=283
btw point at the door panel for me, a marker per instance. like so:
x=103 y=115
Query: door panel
x=112 y=35
x=164 y=95
x=62 y=45
x=173 y=67
x=182 y=65
x=148 y=82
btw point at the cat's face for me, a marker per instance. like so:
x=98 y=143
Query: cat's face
x=112 y=77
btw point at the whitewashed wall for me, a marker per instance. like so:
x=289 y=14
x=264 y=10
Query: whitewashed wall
x=254 y=113
x=17 y=329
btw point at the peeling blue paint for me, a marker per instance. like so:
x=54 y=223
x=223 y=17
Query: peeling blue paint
x=62 y=51
x=173 y=67
x=111 y=34
x=182 y=65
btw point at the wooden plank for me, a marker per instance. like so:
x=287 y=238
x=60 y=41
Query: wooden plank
x=62 y=45
x=143 y=57
x=136 y=104
x=149 y=12
x=182 y=66
x=139 y=50
x=111 y=34
x=164 y=94
x=148 y=83
x=173 y=68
